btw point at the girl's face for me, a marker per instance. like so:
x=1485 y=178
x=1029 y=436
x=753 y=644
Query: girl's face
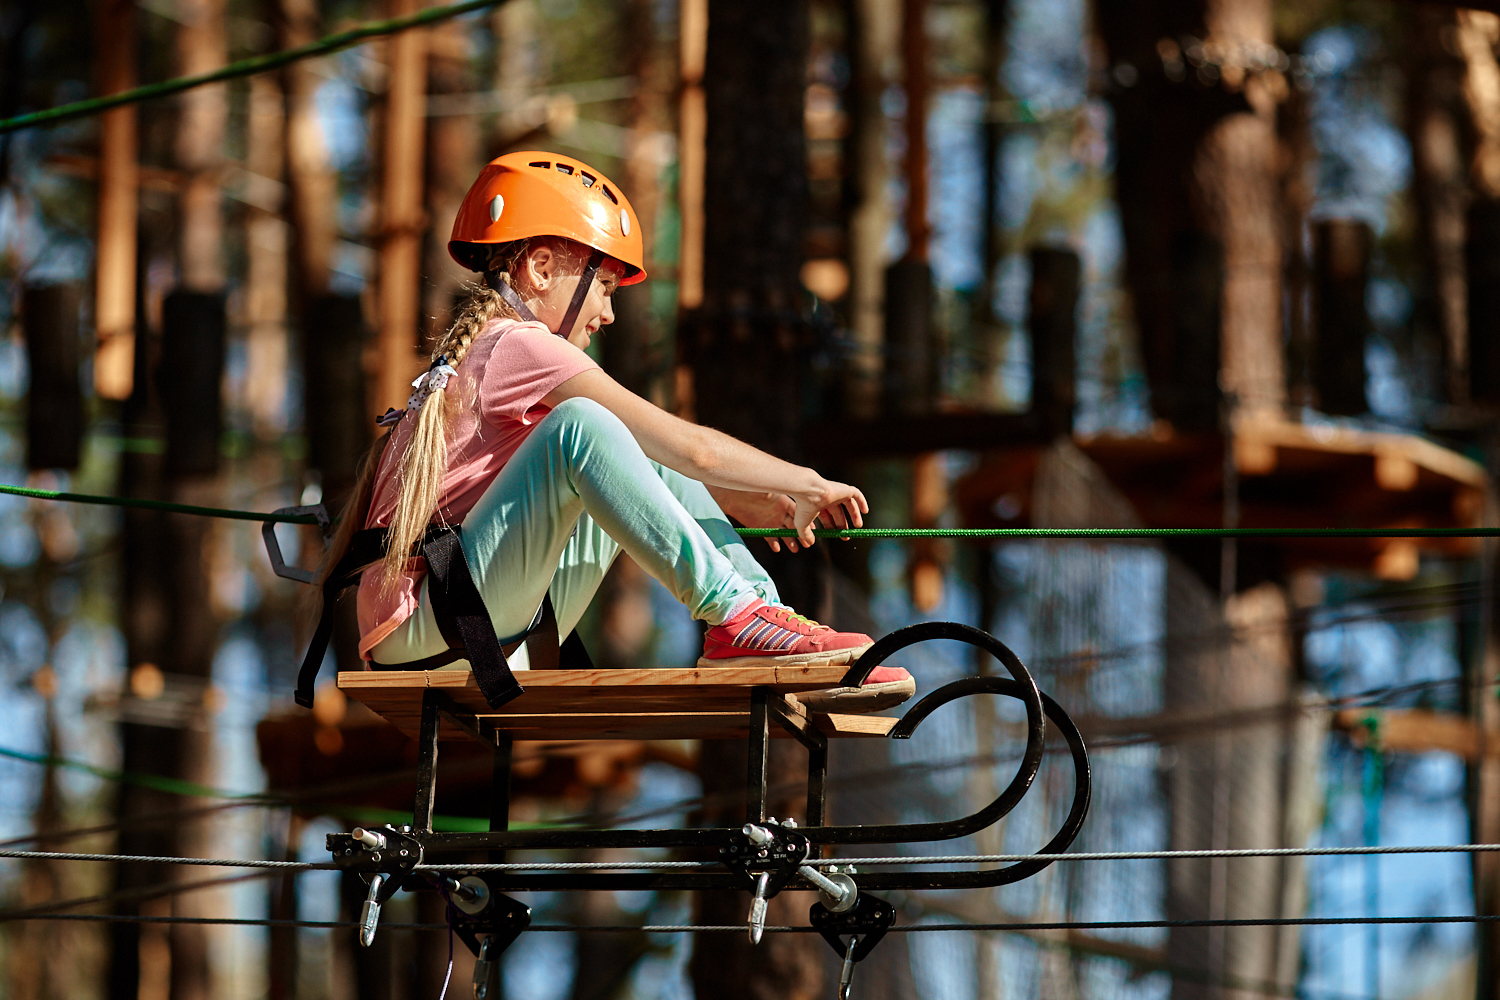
x=553 y=289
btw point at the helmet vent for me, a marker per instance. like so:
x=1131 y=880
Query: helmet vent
x=563 y=168
x=544 y=164
x=624 y=223
x=588 y=179
x=497 y=205
x=608 y=193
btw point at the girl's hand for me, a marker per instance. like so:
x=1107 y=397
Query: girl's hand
x=833 y=505
x=759 y=510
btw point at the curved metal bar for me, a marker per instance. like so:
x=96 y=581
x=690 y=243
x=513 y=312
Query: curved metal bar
x=920 y=879
x=1082 y=794
x=1022 y=687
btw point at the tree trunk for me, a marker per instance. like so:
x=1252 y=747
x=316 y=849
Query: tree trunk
x=266 y=273
x=1477 y=34
x=454 y=149
x=1052 y=321
x=401 y=214
x=1341 y=324
x=1439 y=183
x=1174 y=260
x=746 y=348
x=874 y=46
x=54 y=401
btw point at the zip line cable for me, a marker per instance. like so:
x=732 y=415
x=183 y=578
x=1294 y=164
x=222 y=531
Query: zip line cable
x=1057 y=925
x=1254 y=852
x=137 y=895
x=245 y=67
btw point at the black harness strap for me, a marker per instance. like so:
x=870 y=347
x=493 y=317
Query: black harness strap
x=585 y=282
x=464 y=620
x=364 y=548
x=510 y=295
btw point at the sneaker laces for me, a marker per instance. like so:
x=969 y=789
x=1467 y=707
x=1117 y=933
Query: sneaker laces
x=784 y=609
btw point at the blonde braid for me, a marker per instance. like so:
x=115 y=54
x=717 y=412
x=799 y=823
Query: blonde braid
x=425 y=461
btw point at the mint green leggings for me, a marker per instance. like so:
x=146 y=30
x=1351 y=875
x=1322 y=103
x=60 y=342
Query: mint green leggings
x=577 y=492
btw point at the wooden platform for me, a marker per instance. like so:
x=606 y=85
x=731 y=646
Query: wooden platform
x=696 y=703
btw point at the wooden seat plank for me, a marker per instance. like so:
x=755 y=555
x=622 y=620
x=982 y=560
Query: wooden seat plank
x=692 y=703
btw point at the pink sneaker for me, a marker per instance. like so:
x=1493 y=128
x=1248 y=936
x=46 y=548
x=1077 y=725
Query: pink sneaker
x=772 y=635
x=767 y=635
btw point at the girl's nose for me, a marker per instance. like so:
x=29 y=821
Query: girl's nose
x=608 y=315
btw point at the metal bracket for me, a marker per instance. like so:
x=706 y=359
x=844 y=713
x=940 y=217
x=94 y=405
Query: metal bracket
x=273 y=547
x=500 y=922
x=386 y=854
x=866 y=923
x=768 y=855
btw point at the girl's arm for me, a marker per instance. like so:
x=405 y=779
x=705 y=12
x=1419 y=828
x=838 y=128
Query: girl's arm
x=715 y=458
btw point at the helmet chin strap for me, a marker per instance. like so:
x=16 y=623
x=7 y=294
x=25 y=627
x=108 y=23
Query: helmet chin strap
x=513 y=298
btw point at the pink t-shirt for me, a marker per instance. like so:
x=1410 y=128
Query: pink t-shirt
x=507 y=371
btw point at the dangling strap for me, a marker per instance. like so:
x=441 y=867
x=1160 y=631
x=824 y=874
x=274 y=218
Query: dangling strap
x=364 y=548
x=513 y=298
x=463 y=619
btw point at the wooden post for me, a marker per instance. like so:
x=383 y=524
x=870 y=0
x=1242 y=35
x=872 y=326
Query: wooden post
x=692 y=129
x=54 y=402
x=1439 y=183
x=914 y=81
x=114 y=267
x=311 y=188
x=1052 y=323
x=401 y=214
x=266 y=277
x=910 y=365
x=1341 y=325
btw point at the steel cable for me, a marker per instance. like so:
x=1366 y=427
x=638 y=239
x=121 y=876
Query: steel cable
x=1057 y=925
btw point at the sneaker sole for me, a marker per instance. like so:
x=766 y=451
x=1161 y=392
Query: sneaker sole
x=835 y=658
x=857 y=701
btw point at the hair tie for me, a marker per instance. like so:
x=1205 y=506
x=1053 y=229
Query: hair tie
x=434 y=379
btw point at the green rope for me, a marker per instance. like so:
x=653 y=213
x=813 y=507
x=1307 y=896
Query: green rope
x=850 y=533
x=245 y=67
x=173 y=508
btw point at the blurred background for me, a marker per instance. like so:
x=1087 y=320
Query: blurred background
x=1001 y=263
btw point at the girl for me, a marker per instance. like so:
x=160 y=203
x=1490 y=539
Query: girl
x=552 y=468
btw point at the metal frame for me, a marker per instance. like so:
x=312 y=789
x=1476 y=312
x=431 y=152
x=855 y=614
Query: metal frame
x=764 y=856
x=765 y=704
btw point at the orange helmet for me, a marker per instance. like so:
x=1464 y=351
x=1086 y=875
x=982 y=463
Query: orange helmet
x=529 y=194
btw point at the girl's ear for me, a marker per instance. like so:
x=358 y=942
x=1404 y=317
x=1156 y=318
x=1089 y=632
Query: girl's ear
x=540 y=265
